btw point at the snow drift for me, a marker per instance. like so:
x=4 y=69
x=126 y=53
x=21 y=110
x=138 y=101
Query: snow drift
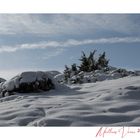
x=106 y=103
x=107 y=98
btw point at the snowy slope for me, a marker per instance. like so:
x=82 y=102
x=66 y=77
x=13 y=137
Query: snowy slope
x=111 y=102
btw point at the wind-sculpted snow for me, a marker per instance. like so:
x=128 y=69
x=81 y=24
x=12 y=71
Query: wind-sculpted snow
x=106 y=103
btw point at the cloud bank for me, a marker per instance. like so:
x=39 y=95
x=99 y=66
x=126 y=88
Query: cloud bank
x=69 y=43
x=59 y=24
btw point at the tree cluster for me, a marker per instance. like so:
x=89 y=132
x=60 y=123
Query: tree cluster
x=88 y=64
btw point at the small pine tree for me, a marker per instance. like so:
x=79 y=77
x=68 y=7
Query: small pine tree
x=67 y=73
x=102 y=61
x=74 y=67
x=92 y=62
x=84 y=63
x=88 y=64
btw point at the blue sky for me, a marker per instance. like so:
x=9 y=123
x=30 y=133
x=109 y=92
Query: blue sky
x=49 y=41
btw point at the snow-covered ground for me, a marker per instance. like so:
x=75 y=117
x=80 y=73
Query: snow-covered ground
x=108 y=103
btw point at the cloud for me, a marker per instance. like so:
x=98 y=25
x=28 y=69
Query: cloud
x=53 y=54
x=61 y=45
x=61 y=24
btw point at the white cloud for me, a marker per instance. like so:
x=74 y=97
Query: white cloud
x=59 y=24
x=69 y=43
x=53 y=54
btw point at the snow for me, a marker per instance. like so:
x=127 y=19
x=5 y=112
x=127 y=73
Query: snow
x=2 y=80
x=29 y=77
x=28 y=82
x=9 y=85
x=110 y=103
x=108 y=73
x=54 y=73
x=59 y=77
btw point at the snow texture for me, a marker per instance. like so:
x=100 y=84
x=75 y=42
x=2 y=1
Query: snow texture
x=106 y=103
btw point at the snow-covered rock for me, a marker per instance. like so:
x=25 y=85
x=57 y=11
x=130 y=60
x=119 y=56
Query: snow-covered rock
x=59 y=77
x=2 y=80
x=54 y=73
x=28 y=82
x=108 y=73
x=137 y=72
x=115 y=75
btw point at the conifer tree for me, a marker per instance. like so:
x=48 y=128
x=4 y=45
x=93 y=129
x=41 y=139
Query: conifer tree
x=102 y=61
x=84 y=63
x=67 y=73
x=88 y=64
x=92 y=62
x=74 y=67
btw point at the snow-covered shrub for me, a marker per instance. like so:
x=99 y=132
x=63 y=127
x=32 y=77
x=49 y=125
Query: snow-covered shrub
x=28 y=82
x=122 y=72
x=93 y=70
x=108 y=73
x=88 y=64
x=70 y=72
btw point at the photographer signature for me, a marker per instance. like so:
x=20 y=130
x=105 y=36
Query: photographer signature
x=121 y=131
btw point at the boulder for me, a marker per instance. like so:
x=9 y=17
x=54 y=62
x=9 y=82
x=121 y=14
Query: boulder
x=27 y=82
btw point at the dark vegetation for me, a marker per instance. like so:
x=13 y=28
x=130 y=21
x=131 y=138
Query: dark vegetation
x=88 y=64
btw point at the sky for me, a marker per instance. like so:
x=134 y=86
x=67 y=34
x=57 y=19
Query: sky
x=49 y=41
